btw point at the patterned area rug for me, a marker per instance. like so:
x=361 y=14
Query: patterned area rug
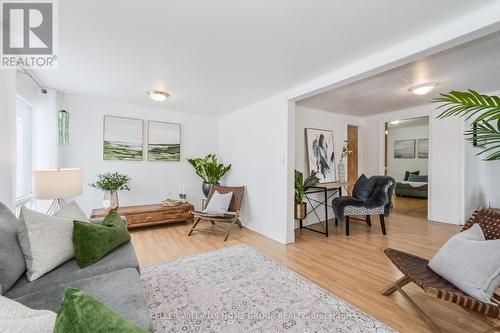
x=237 y=289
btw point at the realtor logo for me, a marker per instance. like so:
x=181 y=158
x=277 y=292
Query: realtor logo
x=28 y=34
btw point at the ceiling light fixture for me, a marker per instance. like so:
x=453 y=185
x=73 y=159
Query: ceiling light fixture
x=395 y=122
x=423 y=88
x=158 y=95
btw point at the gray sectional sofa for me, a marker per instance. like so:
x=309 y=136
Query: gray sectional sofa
x=114 y=279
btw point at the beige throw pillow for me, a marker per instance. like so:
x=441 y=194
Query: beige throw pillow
x=46 y=241
x=18 y=318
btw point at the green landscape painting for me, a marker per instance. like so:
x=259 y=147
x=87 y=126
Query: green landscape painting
x=123 y=139
x=164 y=141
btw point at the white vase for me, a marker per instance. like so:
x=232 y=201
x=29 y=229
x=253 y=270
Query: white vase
x=341 y=168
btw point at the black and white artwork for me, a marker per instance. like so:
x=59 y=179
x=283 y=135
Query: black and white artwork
x=423 y=148
x=404 y=149
x=321 y=154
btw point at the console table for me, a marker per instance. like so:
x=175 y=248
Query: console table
x=145 y=215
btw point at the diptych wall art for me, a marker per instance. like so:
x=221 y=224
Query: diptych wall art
x=320 y=153
x=123 y=138
x=164 y=142
x=404 y=149
x=423 y=148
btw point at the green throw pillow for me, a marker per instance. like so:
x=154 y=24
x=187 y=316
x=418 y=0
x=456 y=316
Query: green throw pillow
x=82 y=313
x=94 y=241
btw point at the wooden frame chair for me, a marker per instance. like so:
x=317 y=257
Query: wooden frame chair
x=416 y=270
x=232 y=217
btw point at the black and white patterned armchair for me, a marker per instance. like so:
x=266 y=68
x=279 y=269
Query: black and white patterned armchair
x=373 y=199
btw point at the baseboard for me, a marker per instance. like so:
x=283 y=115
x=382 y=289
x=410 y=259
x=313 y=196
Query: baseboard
x=494 y=205
x=449 y=219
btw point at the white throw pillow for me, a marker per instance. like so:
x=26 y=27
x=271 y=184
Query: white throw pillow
x=471 y=263
x=46 y=241
x=71 y=210
x=219 y=203
x=18 y=318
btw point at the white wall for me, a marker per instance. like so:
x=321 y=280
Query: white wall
x=7 y=137
x=254 y=140
x=151 y=181
x=396 y=167
x=312 y=118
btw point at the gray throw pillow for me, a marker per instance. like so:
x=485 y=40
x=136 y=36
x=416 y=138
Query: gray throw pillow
x=471 y=263
x=12 y=264
x=219 y=203
x=71 y=210
x=46 y=241
x=363 y=188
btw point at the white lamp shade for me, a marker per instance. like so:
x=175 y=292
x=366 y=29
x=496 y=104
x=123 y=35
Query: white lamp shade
x=57 y=183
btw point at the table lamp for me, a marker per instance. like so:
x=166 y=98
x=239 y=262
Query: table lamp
x=56 y=185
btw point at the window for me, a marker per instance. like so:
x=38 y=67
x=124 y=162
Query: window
x=24 y=162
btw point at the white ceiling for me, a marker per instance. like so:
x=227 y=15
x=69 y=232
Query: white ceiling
x=475 y=65
x=219 y=55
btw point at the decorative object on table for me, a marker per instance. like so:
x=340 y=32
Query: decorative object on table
x=182 y=194
x=378 y=202
x=321 y=155
x=57 y=185
x=164 y=142
x=123 y=139
x=240 y=272
x=146 y=215
x=482 y=111
x=208 y=169
x=93 y=241
x=423 y=148
x=232 y=216
x=81 y=313
x=301 y=186
x=346 y=151
x=171 y=202
x=111 y=183
x=416 y=270
x=404 y=149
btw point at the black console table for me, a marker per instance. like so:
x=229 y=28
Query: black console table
x=329 y=190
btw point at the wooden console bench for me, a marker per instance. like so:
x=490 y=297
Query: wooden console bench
x=145 y=215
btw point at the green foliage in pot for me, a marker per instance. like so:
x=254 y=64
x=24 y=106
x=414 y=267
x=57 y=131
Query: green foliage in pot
x=112 y=181
x=301 y=185
x=484 y=113
x=208 y=169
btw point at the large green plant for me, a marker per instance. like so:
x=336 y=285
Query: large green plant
x=484 y=113
x=209 y=169
x=301 y=185
x=112 y=181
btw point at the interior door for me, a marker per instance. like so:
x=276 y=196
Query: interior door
x=352 y=157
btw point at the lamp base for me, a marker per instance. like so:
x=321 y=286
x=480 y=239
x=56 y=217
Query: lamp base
x=56 y=205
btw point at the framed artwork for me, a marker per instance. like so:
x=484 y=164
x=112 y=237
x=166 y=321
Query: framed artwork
x=164 y=143
x=123 y=139
x=423 y=148
x=404 y=149
x=320 y=154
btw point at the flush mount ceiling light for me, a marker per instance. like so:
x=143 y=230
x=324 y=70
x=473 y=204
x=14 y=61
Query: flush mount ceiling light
x=424 y=88
x=158 y=95
x=395 y=122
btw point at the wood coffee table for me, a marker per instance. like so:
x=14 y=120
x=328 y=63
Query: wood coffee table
x=145 y=215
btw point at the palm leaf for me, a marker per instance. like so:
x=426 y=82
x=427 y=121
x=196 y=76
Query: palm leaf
x=483 y=109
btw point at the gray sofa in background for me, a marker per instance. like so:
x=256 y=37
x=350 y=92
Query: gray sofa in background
x=114 y=279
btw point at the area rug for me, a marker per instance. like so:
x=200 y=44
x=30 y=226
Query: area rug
x=238 y=289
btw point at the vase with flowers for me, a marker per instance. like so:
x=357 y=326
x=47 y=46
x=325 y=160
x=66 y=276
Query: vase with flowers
x=111 y=183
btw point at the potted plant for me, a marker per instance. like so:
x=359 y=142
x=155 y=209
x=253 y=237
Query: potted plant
x=208 y=169
x=301 y=186
x=111 y=183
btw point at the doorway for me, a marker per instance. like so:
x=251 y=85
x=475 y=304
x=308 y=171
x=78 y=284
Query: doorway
x=352 y=155
x=407 y=161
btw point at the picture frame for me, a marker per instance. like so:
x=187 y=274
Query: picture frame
x=423 y=148
x=164 y=141
x=320 y=153
x=123 y=138
x=404 y=148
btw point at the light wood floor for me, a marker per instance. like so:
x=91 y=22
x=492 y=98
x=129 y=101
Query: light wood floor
x=353 y=268
x=416 y=207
